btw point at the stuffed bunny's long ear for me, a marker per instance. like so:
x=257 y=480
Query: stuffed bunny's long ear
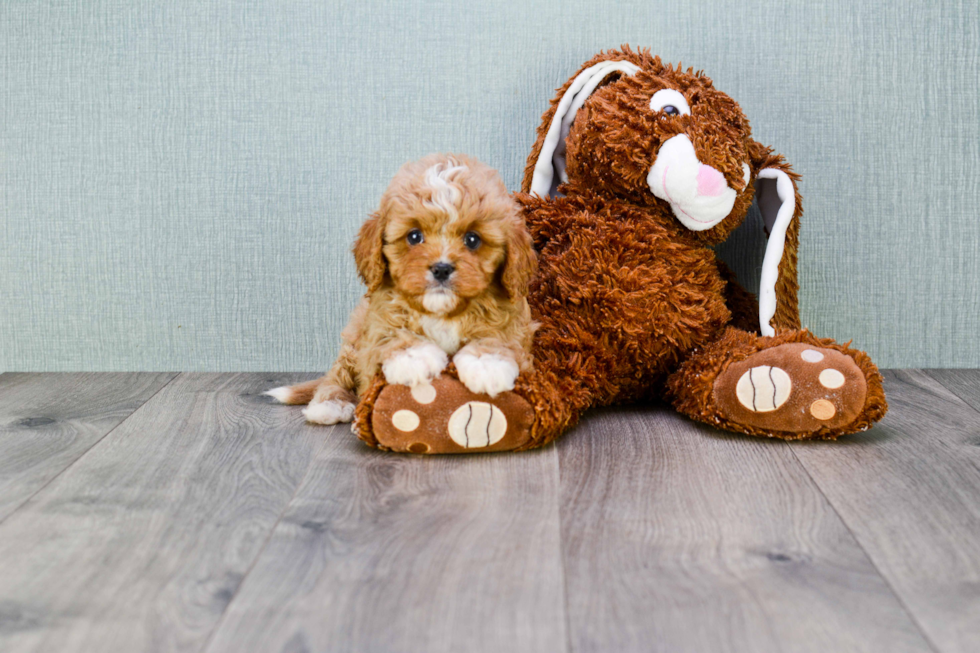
x=780 y=208
x=549 y=170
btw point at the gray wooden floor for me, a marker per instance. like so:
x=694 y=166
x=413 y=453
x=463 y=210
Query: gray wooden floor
x=165 y=512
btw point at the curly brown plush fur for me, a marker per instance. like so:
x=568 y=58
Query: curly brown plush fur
x=631 y=300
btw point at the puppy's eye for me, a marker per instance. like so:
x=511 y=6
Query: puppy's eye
x=671 y=110
x=415 y=237
x=472 y=240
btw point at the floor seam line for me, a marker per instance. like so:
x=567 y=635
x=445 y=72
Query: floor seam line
x=884 y=578
x=562 y=557
x=86 y=452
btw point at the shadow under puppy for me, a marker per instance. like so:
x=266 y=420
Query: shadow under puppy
x=447 y=261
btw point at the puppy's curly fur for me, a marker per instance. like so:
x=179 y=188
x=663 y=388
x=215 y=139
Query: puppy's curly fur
x=447 y=261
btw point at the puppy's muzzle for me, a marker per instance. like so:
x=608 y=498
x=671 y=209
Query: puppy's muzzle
x=441 y=271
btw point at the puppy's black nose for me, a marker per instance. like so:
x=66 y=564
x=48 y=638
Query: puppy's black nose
x=442 y=271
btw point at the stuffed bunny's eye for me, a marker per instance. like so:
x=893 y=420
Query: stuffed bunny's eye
x=670 y=103
x=415 y=237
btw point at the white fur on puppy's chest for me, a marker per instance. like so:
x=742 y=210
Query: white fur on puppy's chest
x=444 y=333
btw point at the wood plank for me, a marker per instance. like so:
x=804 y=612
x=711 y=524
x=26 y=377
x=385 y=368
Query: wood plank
x=909 y=490
x=678 y=537
x=141 y=544
x=48 y=420
x=387 y=552
x=965 y=384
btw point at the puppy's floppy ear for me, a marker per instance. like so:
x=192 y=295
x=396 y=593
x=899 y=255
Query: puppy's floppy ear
x=520 y=262
x=781 y=207
x=371 y=264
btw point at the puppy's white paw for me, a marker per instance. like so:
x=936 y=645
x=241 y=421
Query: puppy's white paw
x=329 y=412
x=486 y=373
x=415 y=365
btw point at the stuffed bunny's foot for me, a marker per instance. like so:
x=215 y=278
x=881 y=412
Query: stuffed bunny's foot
x=445 y=417
x=795 y=388
x=790 y=386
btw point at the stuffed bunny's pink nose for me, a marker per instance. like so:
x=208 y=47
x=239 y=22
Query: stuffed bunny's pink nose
x=710 y=181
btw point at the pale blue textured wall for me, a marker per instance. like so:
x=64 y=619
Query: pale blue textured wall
x=181 y=180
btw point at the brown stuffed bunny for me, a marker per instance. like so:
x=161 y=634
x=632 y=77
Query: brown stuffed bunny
x=638 y=170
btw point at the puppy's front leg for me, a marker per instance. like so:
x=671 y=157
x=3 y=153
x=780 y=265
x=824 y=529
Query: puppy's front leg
x=415 y=364
x=487 y=366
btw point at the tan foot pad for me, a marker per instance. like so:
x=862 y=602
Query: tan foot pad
x=796 y=387
x=445 y=417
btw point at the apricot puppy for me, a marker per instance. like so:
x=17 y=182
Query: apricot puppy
x=447 y=261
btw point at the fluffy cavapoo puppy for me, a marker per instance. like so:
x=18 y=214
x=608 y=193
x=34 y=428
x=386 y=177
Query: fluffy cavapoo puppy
x=447 y=261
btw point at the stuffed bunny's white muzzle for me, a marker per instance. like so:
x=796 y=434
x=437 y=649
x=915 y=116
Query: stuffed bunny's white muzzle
x=698 y=194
